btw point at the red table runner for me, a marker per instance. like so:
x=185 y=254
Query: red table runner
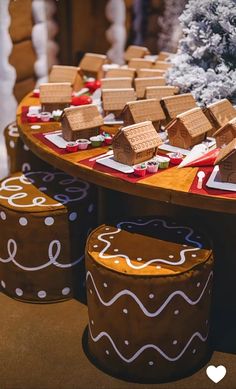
x=58 y=150
x=24 y=119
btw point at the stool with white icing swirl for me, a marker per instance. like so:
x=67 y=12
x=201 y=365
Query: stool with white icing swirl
x=45 y=217
x=149 y=283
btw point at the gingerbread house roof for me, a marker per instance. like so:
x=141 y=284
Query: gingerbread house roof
x=142 y=83
x=143 y=72
x=178 y=104
x=92 y=62
x=58 y=92
x=61 y=73
x=195 y=122
x=158 y=92
x=226 y=152
x=222 y=111
x=141 y=136
x=115 y=99
x=162 y=65
x=116 y=82
x=143 y=110
x=231 y=123
x=134 y=51
x=121 y=72
x=83 y=117
x=138 y=63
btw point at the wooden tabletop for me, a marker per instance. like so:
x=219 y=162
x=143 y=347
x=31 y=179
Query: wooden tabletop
x=171 y=185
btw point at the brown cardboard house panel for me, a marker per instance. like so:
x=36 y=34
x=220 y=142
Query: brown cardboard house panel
x=150 y=73
x=120 y=72
x=115 y=99
x=55 y=95
x=139 y=63
x=227 y=162
x=91 y=64
x=162 y=65
x=136 y=143
x=72 y=74
x=142 y=83
x=143 y=110
x=81 y=122
x=221 y=112
x=226 y=133
x=116 y=82
x=174 y=105
x=134 y=51
x=188 y=129
x=158 y=92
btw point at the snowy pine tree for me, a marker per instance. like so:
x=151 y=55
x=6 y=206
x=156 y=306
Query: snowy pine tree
x=205 y=63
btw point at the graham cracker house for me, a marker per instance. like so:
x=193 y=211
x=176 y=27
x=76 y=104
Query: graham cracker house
x=136 y=143
x=220 y=113
x=116 y=82
x=133 y=51
x=72 y=74
x=114 y=100
x=226 y=133
x=55 y=95
x=188 y=128
x=81 y=122
x=120 y=72
x=139 y=63
x=142 y=83
x=143 y=72
x=227 y=162
x=91 y=64
x=158 y=92
x=143 y=110
x=174 y=105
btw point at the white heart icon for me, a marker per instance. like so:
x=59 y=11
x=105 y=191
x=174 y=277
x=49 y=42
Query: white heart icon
x=216 y=374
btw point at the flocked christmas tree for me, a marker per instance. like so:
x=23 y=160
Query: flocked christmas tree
x=205 y=64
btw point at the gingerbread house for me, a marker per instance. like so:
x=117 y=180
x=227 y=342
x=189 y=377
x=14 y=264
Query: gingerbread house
x=143 y=72
x=227 y=162
x=142 y=83
x=72 y=74
x=91 y=64
x=55 y=95
x=143 y=110
x=116 y=82
x=174 y=105
x=139 y=63
x=162 y=65
x=114 y=100
x=188 y=129
x=226 y=133
x=220 y=113
x=81 y=122
x=121 y=72
x=134 y=51
x=136 y=143
x=158 y=92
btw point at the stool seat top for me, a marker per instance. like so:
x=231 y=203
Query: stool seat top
x=148 y=247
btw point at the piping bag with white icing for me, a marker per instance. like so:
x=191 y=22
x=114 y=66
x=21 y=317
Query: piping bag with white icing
x=196 y=152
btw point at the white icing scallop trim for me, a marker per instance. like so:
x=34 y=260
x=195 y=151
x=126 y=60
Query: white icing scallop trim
x=127 y=292
x=54 y=250
x=13 y=130
x=141 y=266
x=147 y=346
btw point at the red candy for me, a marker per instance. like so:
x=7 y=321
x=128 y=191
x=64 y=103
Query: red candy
x=81 y=100
x=93 y=85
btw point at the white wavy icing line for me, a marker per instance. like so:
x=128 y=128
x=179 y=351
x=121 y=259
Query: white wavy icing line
x=12 y=250
x=13 y=130
x=27 y=179
x=140 y=304
x=147 y=346
x=141 y=266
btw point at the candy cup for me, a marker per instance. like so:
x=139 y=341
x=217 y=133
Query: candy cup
x=83 y=143
x=32 y=117
x=152 y=167
x=72 y=147
x=108 y=140
x=163 y=162
x=96 y=141
x=175 y=158
x=45 y=116
x=140 y=170
x=36 y=93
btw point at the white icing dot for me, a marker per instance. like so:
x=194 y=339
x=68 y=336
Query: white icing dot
x=90 y=208
x=151 y=296
x=158 y=267
x=116 y=261
x=194 y=255
x=65 y=291
x=139 y=220
x=111 y=237
x=171 y=256
x=49 y=221
x=184 y=245
x=198 y=284
x=209 y=291
x=95 y=246
x=175 y=342
x=125 y=311
x=92 y=322
x=23 y=221
x=19 y=292
x=3 y=215
x=129 y=226
x=139 y=259
x=198 y=237
x=107 y=352
x=105 y=285
x=72 y=216
x=90 y=291
x=107 y=228
x=176 y=312
x=42 y=188
x=3 y=284
x=173 y=223
x=42 y=294
x=155 y=225
x=194 y=351
x=206 y=322
x=179 y=232
x=151 y=363
x=126 y=342
x=25 y=147
x=12 y=144
x=116 y=250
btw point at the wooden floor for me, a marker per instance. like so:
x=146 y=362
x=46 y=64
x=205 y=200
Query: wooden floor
x=41 y=348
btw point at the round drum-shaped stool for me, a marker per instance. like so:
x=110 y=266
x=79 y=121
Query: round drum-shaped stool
x=149 y=284
x=45 y=218
x=20 y=158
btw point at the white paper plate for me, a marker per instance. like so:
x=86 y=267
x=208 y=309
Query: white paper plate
x=215 y=182
x=56 y=138
x=167 y=147
x=110 y=162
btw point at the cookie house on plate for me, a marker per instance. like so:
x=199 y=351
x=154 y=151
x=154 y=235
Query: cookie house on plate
x=220 y=113
x=81 y=122
x=188 y=129
x=174 y=105
x=142 y=83
x=140 y=63
x=55 y=96
x=136 y=143
x=72 y=74
x=120 y=72
x=134 y=51
x=226 y=133
x=114 y=100
x=158 y=92
x=227 y=162
x=91 y=64
x=116 y=82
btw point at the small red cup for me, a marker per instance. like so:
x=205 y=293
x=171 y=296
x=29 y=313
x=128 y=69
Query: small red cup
x=32 y=117
x=140 y=170
x=72 y=147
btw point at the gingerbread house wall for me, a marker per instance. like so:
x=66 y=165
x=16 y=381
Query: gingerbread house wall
x=228 y=169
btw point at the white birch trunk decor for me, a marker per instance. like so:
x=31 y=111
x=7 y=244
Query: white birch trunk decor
x=116 y=34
